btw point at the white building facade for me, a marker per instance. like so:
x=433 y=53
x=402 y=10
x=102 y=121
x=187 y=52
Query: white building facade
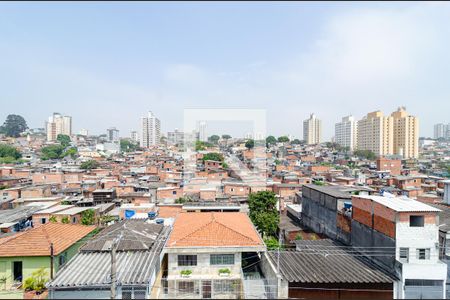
x=312 y=130
x=346 y=132
x=151 y=130
x=58 y=124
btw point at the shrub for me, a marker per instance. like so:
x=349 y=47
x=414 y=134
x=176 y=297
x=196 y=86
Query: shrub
x=53 y=219
x=186 y=272
x=224 y=271
x=65 y=220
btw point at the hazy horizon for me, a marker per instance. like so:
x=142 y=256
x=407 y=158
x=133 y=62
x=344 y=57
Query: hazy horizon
x=107 y=64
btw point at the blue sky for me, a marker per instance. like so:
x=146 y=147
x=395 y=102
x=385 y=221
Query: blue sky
x=106 y=64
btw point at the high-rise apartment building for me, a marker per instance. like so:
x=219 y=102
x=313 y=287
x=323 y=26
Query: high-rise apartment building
x=406 y=134
x=151 y=130
x=440 y=131
x=346 y=132
x=202 y=133
x=84 y=132
x=112 y=134
x=134 y=136
x=58 y=124
x=175 y=137
x=312 y=130
x=386 y=135
x=375 y=133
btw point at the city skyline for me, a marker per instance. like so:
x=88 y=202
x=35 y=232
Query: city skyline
x=292 y=59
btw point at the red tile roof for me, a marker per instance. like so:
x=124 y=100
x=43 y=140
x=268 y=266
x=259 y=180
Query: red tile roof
x=36 y=241
x=226 y=229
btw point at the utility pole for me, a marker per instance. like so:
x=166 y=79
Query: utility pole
x=113 y=268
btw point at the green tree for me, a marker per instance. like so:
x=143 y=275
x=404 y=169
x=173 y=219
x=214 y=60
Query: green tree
x=199 y=145
x=283 y=139
x=53 y=219
x=296 y=142
x=213 y=156
x=250 y=144
x=10 y=152
x=88 y=217
x=271 y=140
x=14 y=125
x=127 y=146
x=52 y=152
x=65 y=220
x=89 y=165
x=226 y=136
x=263 y=212
x=64 y=140
x=72 y=152
x=271 y=243
x=367 y=154
x=37 y=280
x=224 y=165
x=214 y=139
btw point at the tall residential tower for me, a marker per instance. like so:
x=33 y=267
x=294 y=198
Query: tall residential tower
x=151 y=130
x=346 y=132
x=312 y=130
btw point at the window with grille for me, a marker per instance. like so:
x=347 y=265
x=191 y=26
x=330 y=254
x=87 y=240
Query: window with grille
x=423 y=253
x=222 y=259
x=225 y=286
x=186 y=287
x=187 y=260
x=416 y=221
x=404 y=254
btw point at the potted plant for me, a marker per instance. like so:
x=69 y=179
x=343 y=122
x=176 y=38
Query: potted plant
x=186 y=273
x=224 y=272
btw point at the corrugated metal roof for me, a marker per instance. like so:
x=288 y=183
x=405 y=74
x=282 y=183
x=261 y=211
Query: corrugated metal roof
x=90 y=269
x=324 y=261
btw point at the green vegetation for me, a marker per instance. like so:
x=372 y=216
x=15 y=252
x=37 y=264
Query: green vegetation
x=213 y=156
x=366 y=154
x=277 y=162
x=224 y=271
x=65 y=220
x=199 y=145
x=214 y=139
x=271 y=140
x=225 y=165
x=37 y=280
x=72 y=152
x=53 y=219
x=226 y=136
x=263 y=212
x=296 y=142
x=283 y=139
x=298 y=237
x=250 y=144
x=64 y=140
x=182 y=200
x=128 y=146
x=2 y=187
x=52 y=152
x=88 y=217
x=14 y=125
x=89 y=165
x=186 y=272
x=272 y=243
x=318 y=182
x=9 y=154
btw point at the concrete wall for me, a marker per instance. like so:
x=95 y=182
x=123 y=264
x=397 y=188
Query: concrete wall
x=203 y=266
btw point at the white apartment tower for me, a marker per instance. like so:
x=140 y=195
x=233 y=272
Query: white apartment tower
x=134 y=136
x=151 y=130
x=439 y=131
x=113 y=134
x=346 y=133
x=58 y=124
x=312 y=130
x=203 y=136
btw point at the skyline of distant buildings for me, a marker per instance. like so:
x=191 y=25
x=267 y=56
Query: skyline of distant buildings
x=395 y=134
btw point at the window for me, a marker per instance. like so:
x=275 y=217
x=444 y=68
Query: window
x=222 y=259
x=404 y=254
x=423 y=253
x=416 y=221
x=187 y=260
x=174 y=192
x=224 y=286
x=43 y=220
x=74 y=220
x=186 y=287
x=62 y=259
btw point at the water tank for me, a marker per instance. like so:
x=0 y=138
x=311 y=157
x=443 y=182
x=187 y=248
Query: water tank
x=159 y=221
x=152 y=215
